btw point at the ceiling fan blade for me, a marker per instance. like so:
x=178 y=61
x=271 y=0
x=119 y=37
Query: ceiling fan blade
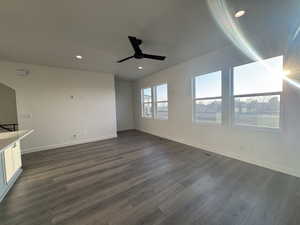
x=122 y=60
x=135 y=44
x=156 y=57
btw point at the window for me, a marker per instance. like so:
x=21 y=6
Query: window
x=147 y=102
x=208 y=97
x=161 y=101
x=257 y=93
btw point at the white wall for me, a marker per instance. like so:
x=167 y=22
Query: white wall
x=8 y=112
x=60 y=103
x=275 y=150
x=124 y=104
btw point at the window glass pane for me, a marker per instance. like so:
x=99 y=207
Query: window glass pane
x=208 y=110
x=208 y=85
x=147 y=110
x=261 y=111
x=258 y=77
x=147 y=95
x=162 y=110
x=162 y=93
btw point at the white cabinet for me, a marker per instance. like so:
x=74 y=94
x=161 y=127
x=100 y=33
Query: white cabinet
x=3 y=184
x=12 y=160
x=9 y=163
x=17 y=156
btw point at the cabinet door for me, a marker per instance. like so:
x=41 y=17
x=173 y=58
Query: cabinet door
x=17 y=156
x=9 y=164
x=2 y=179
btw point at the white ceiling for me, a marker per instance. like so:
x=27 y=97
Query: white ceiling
x=53 y=32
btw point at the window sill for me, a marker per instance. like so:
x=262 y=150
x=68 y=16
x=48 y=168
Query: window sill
x=207 y=123
x=257 y=129
x=160 y=119
x=147 y=118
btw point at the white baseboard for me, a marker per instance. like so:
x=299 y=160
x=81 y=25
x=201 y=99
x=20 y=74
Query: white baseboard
x=71 y=143
x=261 y=163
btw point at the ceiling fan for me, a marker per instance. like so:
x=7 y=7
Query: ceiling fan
x=138 y=54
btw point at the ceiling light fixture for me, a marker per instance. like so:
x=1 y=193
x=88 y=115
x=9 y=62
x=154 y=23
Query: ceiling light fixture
x=140 y=67
x=239 y=13
x=79 y=57
x=286 y=72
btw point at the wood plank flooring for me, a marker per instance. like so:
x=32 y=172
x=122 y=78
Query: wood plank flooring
x=139 y=179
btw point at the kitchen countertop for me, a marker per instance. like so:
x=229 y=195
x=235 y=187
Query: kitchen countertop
x=9 y=138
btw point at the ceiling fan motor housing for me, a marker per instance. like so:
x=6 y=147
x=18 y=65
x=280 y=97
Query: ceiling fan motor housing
x=138 y=56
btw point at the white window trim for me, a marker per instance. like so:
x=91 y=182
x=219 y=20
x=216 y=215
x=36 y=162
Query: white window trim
x=250 y=127
x=155 y=101
x=143 y=103
x=194 y=99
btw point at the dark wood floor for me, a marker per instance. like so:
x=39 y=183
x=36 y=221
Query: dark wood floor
x=139 y=179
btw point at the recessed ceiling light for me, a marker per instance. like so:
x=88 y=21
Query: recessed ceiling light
x=140 y=67
x=239 y=13
x=286 y=72
x=79 y=57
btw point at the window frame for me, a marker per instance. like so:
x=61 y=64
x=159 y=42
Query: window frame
x=155 y=102
x=143 y=103
x=194 y=99
x=227 y=98
x=232 y=104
